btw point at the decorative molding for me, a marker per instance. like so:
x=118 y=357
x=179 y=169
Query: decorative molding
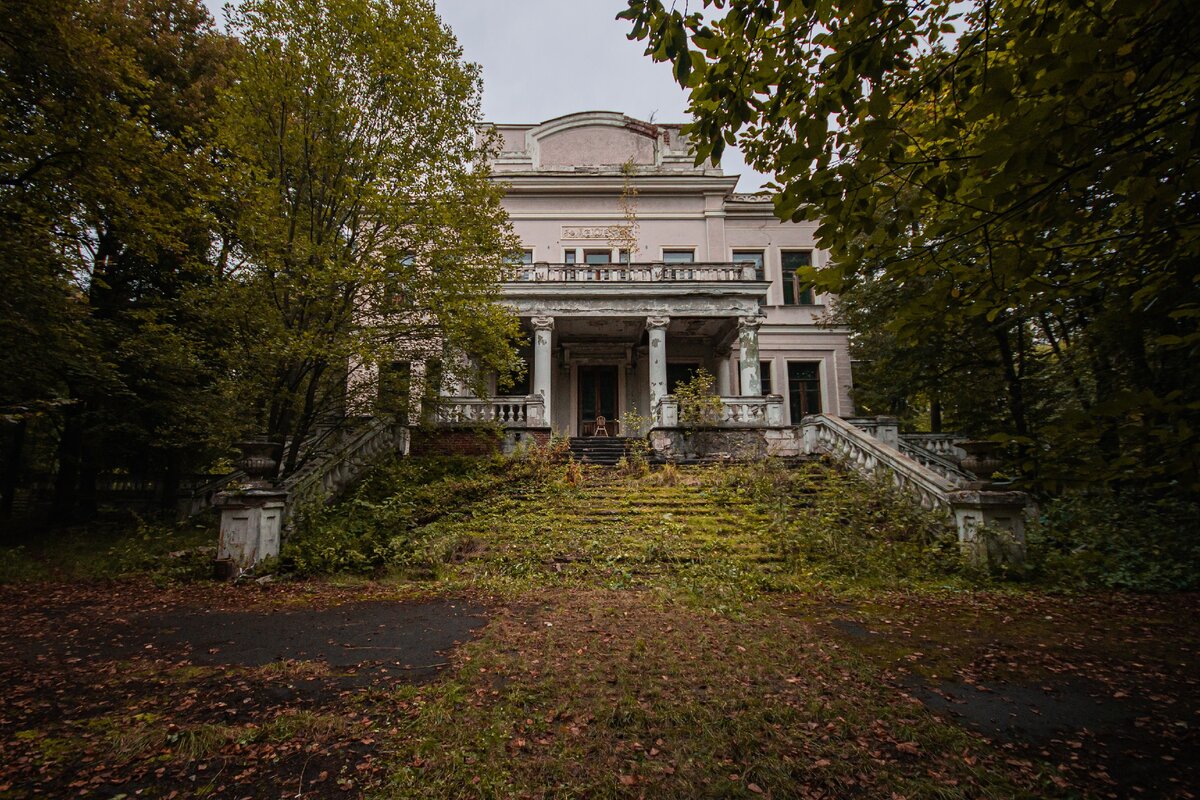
x=657 y=323
x=752 y=323
x=542 y=323
x=602 y=233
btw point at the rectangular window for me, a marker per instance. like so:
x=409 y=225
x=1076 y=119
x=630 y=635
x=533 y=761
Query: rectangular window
x=764 y=378
x=569 y=256
x=395 y=384
x=623 y=255
x=597 y=256
x=521 y=257
x=755 y=257
x=679 y=256
x=796 y=292
x=804 y=389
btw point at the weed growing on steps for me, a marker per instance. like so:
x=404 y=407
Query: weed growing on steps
x=716 y=535
x=835 y=528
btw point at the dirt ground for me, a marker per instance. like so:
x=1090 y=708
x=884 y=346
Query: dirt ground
x=299 y=690
x=260 y=690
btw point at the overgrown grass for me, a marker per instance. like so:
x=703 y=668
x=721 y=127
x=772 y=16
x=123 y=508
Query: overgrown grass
x=162 y=552
x=719 y=535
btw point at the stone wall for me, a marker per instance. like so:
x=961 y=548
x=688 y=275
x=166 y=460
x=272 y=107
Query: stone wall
x=725 y=444
x=467 y=441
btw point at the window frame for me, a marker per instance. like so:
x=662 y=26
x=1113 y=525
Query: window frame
x=795 y=293
x=796 y=414
x=690 y=251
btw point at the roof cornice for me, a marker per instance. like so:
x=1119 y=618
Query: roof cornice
x=577 y=183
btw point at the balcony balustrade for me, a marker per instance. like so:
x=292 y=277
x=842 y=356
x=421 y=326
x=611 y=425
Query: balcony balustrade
x=654 y=272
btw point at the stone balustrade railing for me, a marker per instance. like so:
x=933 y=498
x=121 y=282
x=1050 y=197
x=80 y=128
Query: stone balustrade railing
x=752 y=412
x=512 y=411
x=870 y=456
x=943 y=444
x=950 y=470
x=326 y=477
x=974 y=510
x=542 y=272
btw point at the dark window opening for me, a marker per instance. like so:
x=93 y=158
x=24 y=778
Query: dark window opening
x=796 y=292
x=804 y=389
x=764 y=378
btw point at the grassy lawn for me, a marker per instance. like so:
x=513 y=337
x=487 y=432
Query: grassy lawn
x=729 y=632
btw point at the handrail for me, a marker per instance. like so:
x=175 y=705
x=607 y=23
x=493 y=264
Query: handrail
x=977 y=513
x=943 y=444
x=868 y=456
x=325 y=478
x=513 y=411
x=936 y=462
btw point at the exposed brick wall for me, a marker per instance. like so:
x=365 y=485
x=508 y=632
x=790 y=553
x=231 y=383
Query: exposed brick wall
x=473 y=442
x=452 y=442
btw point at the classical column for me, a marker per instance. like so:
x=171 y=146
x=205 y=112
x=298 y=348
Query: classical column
x=543 y=374
x=723 y=373
x=748 y=341
x=657 y=327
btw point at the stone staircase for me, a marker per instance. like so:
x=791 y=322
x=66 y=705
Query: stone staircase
x=598 y=449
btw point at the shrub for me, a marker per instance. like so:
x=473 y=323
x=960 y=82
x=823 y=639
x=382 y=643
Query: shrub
x=1111 y=541
x=379 y=524
x=699 y=405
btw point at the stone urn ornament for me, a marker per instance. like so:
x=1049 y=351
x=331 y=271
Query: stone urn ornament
x=260 y=461
x=983 y=458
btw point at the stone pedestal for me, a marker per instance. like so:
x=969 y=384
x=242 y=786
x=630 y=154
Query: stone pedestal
x=251 y=524
x=991 y=527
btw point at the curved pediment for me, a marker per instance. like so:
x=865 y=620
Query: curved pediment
x=595 y=139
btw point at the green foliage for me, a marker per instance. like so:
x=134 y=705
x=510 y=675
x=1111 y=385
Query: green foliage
x=385 y=521
x=636 y=462
x=1140 y=543
x=161 y=553
x=106 y=186
x=699 y=404
x=366 y=228
x=833 y=527
x=1015 y=205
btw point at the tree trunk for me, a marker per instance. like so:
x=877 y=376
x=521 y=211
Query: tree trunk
x=11 y=477
x=66 y=481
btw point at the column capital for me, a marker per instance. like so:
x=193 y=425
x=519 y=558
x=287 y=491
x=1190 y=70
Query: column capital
x=751 y=323
x=657 y=323
x=542 y=323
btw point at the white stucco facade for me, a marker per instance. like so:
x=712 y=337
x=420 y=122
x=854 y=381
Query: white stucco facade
x=616 y=317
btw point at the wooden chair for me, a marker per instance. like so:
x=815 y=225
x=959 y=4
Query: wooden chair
x=601 y=428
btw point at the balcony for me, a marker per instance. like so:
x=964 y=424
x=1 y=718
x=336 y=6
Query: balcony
x=651 y=272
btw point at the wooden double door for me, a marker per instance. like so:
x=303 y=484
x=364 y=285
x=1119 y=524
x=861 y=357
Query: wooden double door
x=598 y=387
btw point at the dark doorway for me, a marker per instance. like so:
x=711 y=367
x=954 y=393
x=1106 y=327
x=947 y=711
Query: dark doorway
x=597 y=397
x=804 y=389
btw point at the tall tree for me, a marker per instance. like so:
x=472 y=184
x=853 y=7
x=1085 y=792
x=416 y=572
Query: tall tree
x=367 y=230
x=1033 y=164
x=106 y=172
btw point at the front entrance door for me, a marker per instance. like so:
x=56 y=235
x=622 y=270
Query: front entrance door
x=597 y=397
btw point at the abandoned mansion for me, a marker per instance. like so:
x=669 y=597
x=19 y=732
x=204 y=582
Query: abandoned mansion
x=638 y=269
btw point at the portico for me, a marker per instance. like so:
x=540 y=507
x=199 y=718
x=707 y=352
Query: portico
x=613 y=341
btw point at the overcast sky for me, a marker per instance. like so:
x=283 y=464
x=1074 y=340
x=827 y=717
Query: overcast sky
x=545 y=58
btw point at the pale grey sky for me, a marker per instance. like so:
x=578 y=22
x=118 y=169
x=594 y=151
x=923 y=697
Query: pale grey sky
x=545 y=58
